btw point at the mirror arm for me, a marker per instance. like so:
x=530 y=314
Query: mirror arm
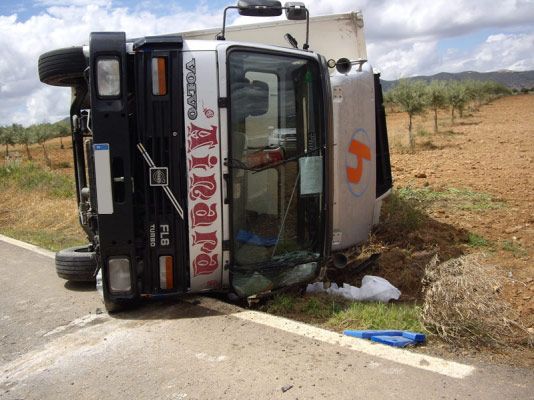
x=306 y=46
x=220 y=36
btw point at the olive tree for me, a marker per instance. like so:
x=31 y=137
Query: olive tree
x=457 y=98
x=495 y=90
x=7 y=137
x=61 y=130
x=26 y=137
x=42 y=133
x=437 y=98
x=411 y=97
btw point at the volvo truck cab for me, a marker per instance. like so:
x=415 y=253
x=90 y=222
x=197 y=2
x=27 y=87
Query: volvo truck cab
x=218 y=165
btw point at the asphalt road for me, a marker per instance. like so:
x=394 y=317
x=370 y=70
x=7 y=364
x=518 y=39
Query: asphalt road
x=56 y=343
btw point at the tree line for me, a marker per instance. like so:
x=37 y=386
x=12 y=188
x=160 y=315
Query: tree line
x=11 y=135
x=416 y=97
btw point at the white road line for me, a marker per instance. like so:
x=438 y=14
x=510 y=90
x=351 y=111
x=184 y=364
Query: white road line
x=416 y=360
x=28 y=246
x=79 y=323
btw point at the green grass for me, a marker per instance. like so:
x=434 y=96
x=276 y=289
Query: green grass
x=378 y=316
x=53 y=241
x=401 y=213
x=474 y=240
x=339 y=314
x=321 y=308
x=515 y=248
x=31 y=177
x=281 y=304
x=462 y=199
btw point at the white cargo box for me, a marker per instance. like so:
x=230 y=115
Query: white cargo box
x=333 y=36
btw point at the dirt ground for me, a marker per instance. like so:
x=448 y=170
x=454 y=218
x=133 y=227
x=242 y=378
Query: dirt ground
x=489 y=151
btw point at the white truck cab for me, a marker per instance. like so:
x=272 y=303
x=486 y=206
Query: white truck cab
x=208 y=165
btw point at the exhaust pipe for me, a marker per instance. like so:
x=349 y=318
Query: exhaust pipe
x=340 y=260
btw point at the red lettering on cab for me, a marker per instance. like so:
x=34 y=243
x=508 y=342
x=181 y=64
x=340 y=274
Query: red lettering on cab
x=202 y=188
x=200 y=137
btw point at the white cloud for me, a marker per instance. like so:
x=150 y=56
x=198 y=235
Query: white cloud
x=403 y=58
x=407 y=58
x=73 y=2
x=499 y=51
x=403 y=39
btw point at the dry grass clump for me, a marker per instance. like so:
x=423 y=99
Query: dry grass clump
x=462 y=304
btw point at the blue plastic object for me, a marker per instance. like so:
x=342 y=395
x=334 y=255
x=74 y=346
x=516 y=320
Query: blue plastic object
x=370 y=334
x=418 y=337
x=396 y=341
x=251 y=238
x=389 y=337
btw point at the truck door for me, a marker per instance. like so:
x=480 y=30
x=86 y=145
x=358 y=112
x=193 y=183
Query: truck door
x=276 y=168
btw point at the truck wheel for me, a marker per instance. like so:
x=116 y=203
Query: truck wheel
x=63 y=67
x=76 y=264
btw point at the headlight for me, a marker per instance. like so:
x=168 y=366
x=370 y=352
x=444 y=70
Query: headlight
x=108 y=77
x=119 y=275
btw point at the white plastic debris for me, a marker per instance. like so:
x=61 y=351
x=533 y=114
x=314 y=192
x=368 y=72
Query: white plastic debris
x=374 y=288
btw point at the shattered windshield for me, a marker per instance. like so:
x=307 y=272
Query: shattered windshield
x=276 y=160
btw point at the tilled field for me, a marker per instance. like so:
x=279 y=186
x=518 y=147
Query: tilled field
x=482 y=165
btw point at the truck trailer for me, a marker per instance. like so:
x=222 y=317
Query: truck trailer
x=222 y=160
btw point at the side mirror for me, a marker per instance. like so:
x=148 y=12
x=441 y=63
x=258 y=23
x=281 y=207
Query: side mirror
x=269 y=8
x=295 y=11
x=259 y=8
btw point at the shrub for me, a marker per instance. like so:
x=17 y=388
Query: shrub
x=462 y=304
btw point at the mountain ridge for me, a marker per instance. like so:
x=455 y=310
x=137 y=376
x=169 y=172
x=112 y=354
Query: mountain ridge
x=512 y=79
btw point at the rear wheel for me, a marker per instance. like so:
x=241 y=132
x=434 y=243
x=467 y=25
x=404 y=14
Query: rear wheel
x=63 y=67
x=76 y=264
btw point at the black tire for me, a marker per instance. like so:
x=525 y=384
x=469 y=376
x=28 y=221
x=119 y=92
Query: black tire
x=76 y=264
x=63 y=67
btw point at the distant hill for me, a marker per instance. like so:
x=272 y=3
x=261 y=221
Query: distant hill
x=511 y=79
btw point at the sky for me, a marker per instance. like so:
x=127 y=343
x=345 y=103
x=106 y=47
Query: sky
x=404 y=38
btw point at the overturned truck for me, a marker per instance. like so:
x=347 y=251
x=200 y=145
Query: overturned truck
x=231 y=160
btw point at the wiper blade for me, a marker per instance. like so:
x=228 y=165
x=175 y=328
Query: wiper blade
x=283 y=261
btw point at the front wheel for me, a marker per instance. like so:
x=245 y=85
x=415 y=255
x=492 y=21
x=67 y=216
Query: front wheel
x=63 y=67
x=76 y=264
